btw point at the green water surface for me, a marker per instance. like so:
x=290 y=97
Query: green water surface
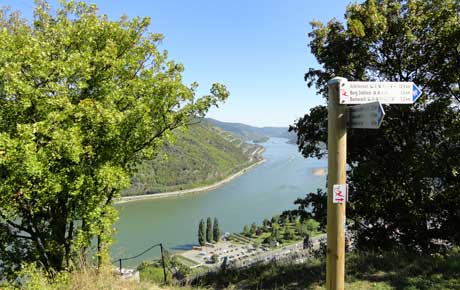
x=264 y=191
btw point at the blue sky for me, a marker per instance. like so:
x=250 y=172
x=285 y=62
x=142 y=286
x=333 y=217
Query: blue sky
x=257 y=48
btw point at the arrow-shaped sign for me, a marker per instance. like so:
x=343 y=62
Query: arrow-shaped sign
x=366 y=116
x=416 y=93
x=384 y=92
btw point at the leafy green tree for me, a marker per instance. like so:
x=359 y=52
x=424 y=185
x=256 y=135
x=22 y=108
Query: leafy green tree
x=403 y=177
x=266 y=224
x=286 y=219
x=216 y=230
x=201 y=233
x=253 y=229
x=275 y=219
x=246 y=231
x=276 y=232
x=289 y=234
x=301 y=229
x=312 y=225
x=209 y=236
x=82 y=100
x=268 y=240
x=312 y=206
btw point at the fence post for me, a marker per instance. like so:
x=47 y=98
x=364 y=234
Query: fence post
x=163 y=261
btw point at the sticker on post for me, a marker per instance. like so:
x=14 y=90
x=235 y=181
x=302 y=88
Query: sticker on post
x=339 y=193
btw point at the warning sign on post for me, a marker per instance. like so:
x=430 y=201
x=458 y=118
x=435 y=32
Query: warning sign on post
x=340 y=192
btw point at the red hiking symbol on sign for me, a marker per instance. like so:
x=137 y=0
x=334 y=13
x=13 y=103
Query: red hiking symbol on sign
x=340 y=193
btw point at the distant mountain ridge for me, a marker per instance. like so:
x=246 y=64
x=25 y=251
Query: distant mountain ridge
x=251 y=133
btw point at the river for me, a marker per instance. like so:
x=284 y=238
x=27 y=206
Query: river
x=264 y=191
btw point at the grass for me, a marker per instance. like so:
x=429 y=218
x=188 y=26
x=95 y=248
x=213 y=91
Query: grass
x=186 y=261
x=199 y=270
x=259 y=239
x=154 y=274
x=395 y=271
x=87 y=278
x=399 y=271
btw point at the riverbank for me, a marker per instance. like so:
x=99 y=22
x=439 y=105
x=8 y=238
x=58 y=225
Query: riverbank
x=265 y=190
x=206 y=188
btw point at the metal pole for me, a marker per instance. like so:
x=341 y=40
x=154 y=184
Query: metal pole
x=163 y=261
x=120 y=266
x=337 y=152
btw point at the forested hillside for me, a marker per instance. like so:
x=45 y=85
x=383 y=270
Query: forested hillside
x=251 y=133
x=200 y=156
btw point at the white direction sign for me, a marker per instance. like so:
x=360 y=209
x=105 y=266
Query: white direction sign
x=384 y=92
x=366 y=116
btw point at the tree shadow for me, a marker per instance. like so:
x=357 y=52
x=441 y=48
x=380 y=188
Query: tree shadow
x=406 y=270
x=396 y=270
x=267 y=276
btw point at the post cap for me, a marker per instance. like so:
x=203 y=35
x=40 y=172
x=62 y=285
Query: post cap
x=336 y=80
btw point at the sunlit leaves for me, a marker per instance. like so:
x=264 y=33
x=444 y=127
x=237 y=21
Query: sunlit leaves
x=403 y=177
x=82 y=99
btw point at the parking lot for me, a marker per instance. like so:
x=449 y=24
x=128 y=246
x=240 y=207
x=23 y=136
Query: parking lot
x=241 y=255
x=224 y=249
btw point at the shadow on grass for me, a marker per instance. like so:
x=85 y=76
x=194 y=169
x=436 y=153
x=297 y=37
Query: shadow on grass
x=267 y=276
x=405 y=270
x=364 y=271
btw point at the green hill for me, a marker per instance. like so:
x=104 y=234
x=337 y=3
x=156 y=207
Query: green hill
x=203 y=155
x=251 y=133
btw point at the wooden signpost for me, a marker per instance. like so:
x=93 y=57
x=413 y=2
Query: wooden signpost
x=367 y=114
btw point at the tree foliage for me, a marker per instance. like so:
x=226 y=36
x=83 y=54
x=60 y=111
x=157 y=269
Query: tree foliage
x=201 y=233
x=209 y=236
x=253 y=229
x=246 y=231
x=82 y=100
x=216 y=230
x=403 y=177
x=275 y=232
x=266 y=224
x=312 y=206
x=289 y=234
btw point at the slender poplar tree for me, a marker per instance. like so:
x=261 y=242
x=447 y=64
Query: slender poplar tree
x=216 y=230
x=201 y=233
x=209 y=230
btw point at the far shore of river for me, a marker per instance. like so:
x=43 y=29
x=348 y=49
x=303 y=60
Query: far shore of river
x=216 y=185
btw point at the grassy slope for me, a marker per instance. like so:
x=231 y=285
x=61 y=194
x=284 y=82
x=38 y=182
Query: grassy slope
x=85 y=279
x=364 y=271
x=201 y=156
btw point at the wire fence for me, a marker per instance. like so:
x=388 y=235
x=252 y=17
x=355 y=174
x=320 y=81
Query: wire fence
x=120 y=260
